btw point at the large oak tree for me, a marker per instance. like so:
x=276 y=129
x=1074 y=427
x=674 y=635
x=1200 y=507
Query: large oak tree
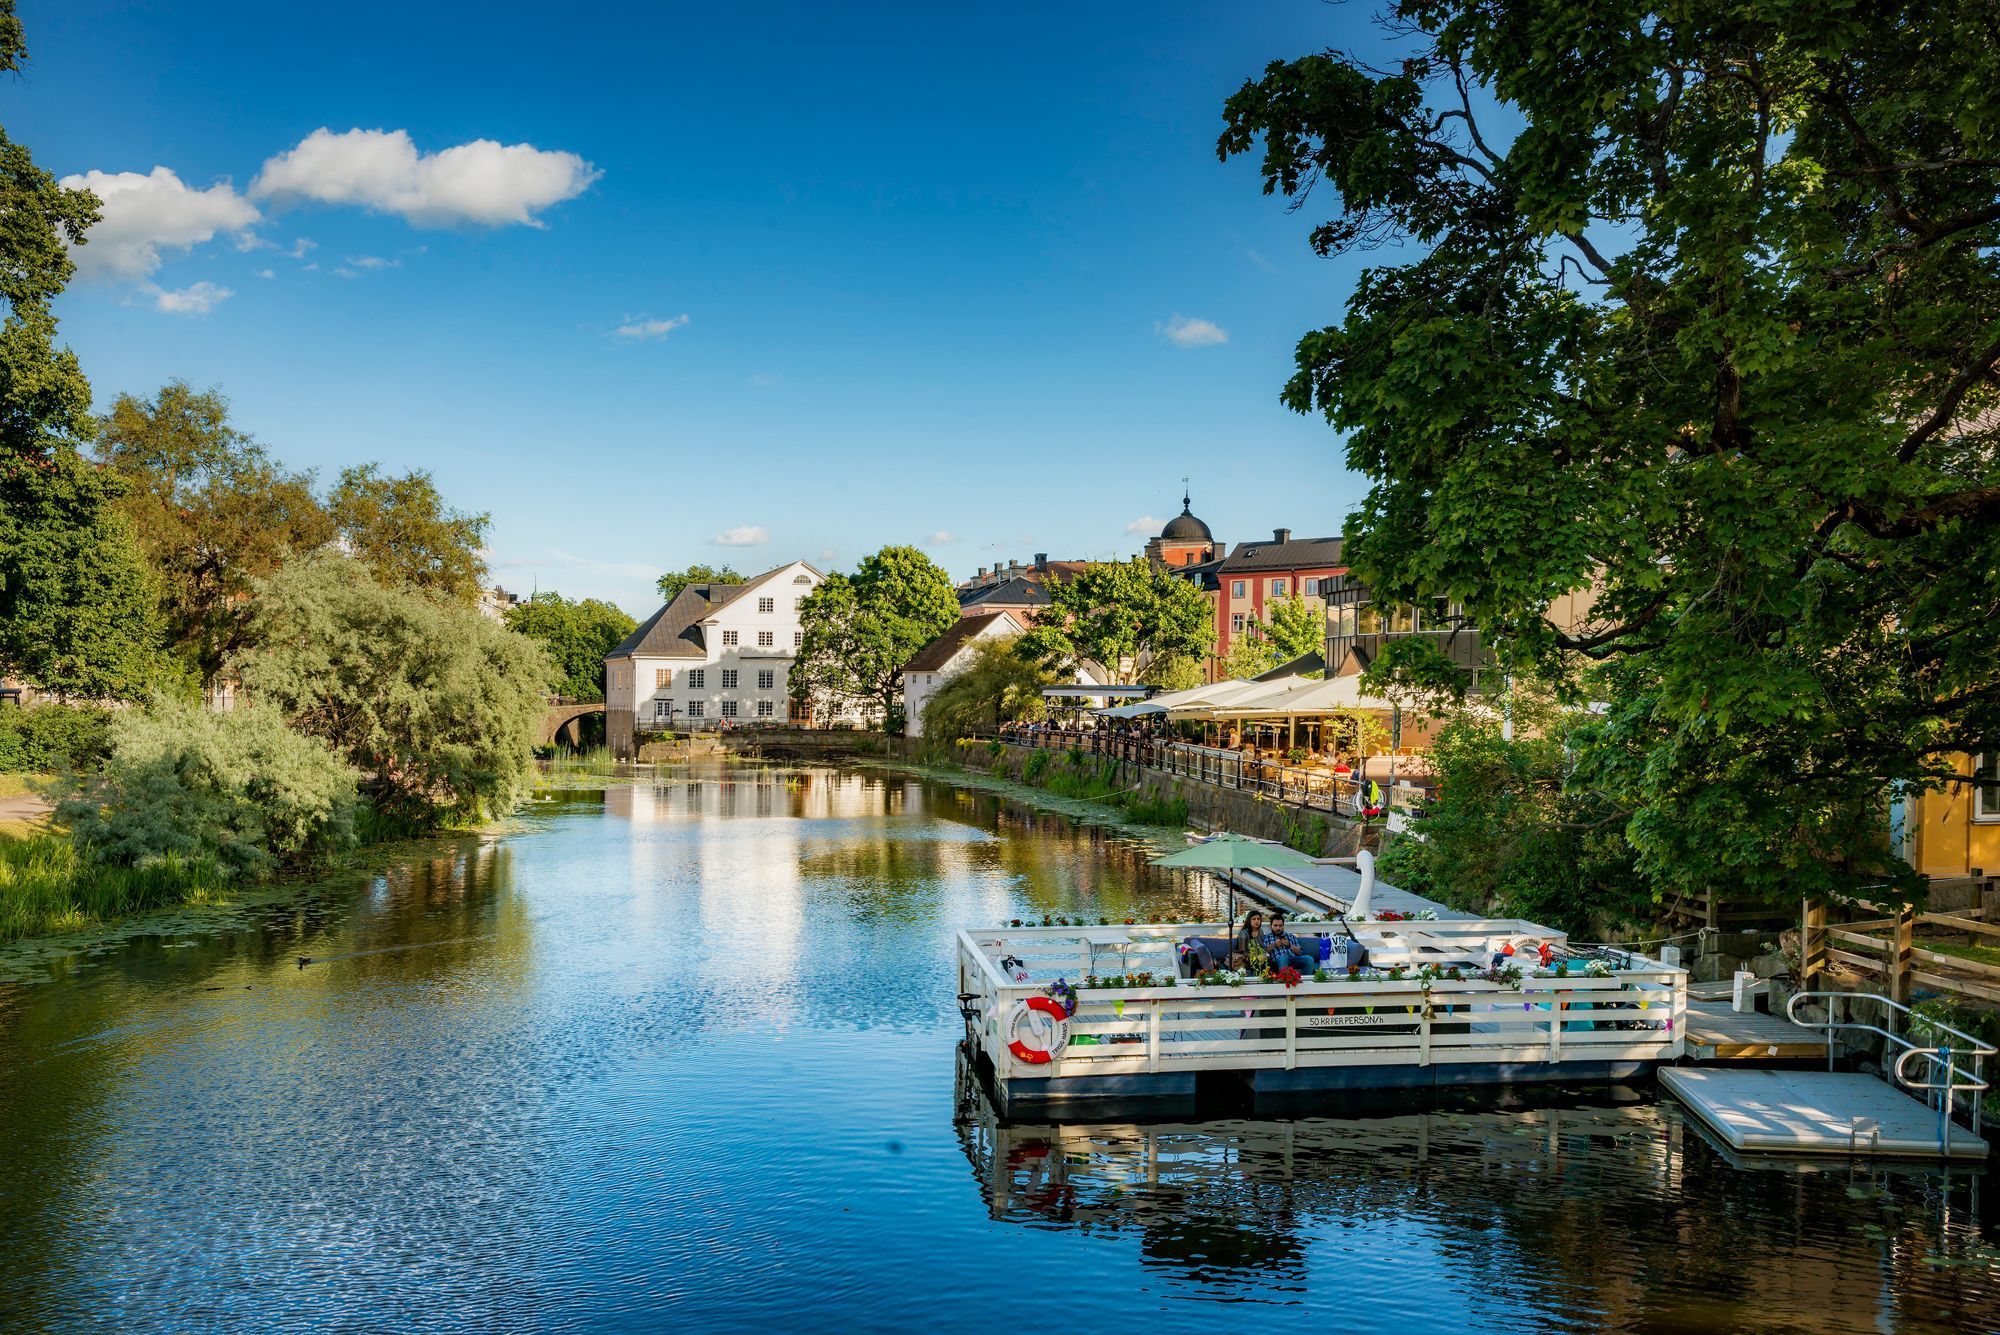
x=1698 y=304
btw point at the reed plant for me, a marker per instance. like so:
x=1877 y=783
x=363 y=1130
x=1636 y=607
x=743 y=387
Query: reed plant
x=48 y=885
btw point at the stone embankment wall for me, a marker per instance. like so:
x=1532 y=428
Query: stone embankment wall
x=1209 y=806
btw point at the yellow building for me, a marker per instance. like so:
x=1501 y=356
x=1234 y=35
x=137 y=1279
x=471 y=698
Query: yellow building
x=1956 y=831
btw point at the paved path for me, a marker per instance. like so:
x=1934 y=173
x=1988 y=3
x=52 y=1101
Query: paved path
x=25 y=807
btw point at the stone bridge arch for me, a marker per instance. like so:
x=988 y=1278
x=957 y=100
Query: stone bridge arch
x=559 y=725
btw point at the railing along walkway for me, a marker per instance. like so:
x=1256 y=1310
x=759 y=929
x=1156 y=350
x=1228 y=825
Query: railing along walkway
x=1298 y=785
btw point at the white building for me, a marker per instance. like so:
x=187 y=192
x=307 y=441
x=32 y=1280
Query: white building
x=947 y=656
x=718 y=654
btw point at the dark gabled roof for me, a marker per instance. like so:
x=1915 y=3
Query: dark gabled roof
x=675 y=630
x=1298 y=554
x=933 y=656
x=1298 y=667
x=1014 y=593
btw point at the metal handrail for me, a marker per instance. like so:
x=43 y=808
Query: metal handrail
x=1946 y=1100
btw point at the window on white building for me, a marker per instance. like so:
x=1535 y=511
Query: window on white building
x=697 y=679
x=728 y=638
x=1986 y=786
x=797 y=603
x=729 y=709
x=662 y=677
x=663 y=709
x=729 y=679
x=798 y=638
x=767 y=604
x=694 y=709
x=766 y=679
x=1235 y=588
x=765 y=639
x=763 y=709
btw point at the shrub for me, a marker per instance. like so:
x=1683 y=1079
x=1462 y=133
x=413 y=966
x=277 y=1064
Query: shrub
x=239 y=790
x=438 y=706
x=47 y=738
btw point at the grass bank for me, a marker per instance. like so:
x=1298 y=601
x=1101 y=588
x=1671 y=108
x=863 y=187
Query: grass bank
x=47 y=886
x=1072 y=777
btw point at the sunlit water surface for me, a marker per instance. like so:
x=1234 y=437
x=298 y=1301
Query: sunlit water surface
x=681 y=1055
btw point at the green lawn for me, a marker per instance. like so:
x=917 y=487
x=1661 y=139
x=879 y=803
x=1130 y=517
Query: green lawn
x=1977 y=954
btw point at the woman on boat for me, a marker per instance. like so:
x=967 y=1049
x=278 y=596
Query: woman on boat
x=1252 y=934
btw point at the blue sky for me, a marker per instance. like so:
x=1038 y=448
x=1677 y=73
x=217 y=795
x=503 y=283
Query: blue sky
x=929 y=259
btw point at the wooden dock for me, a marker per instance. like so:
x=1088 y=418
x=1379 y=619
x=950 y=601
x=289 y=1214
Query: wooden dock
x=1717 y=1033
x=1816 y=1112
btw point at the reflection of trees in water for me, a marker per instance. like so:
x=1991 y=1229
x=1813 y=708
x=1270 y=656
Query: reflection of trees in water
x=90 y=1035
x=1601 y=1216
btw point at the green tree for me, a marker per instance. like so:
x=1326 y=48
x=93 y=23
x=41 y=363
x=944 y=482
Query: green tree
x=210 y=510
x=1173 y=672
x=1712 y=332
x=997 y=686
x=238 y=788
x=575 y=635
x=1508 y=836
x=437 y=705
x=1121 y=617
x=1297 y=627
x=859 y=630
x=78 y=615
x=1250 y=655
x=671 y=583
x=402 y=529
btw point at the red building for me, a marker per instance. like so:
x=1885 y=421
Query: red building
x=1248 y=580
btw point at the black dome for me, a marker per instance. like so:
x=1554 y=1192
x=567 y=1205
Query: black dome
x=1184 y=527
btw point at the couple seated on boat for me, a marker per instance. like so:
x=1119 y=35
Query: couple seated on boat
x=1279 y=948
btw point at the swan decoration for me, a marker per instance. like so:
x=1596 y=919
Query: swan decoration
x=1392 y=944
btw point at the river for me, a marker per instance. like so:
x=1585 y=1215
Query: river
x=680 y=1054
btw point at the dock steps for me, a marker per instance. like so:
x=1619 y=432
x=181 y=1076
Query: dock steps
x=1815 y=1112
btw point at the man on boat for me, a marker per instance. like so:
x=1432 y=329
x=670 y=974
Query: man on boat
x=1284 y=949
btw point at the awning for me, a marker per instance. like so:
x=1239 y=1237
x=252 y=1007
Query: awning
x=1203 y=701
x=1148 y=709
x=1299 y=699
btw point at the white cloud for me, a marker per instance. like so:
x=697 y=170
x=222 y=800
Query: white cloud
x=301 y=246
x=638 y=327
x=373 y=262
x=743 y=535
x=939 y=539
x=1146 y=524
x=1186 y=332
x=144 y=214
x=826 y=553
x=482 y=182
x=198 y=299
x=266 y=273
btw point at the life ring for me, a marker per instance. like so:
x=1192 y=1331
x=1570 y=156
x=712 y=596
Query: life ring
x=1058 y=1017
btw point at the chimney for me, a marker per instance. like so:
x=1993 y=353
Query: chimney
x=1281 y=535
x=982 y=572
x=1041 y=560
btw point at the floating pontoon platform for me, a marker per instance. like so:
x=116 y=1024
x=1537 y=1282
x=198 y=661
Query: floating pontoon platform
x=1817 y=1112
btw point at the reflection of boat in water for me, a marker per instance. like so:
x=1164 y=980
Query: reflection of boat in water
x=1616 y=1214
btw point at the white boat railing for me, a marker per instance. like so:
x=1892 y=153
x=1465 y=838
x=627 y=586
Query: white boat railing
x=1401 y=1017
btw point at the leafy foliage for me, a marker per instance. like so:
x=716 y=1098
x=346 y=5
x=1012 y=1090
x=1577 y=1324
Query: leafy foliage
x=438 y=706
x=575 y=635
x=997 y=686
x=1296 y=627
x=858 y=630
x=77 y=611
x=48 y=884
x=1121 y=616
x=1712 y=334
x=1508 y=836
x=402 y=529
x=210 y=509
x=671 y=583
x=1173 y=672
x=1250 y=655
x=238 y=789
x=51 y=738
